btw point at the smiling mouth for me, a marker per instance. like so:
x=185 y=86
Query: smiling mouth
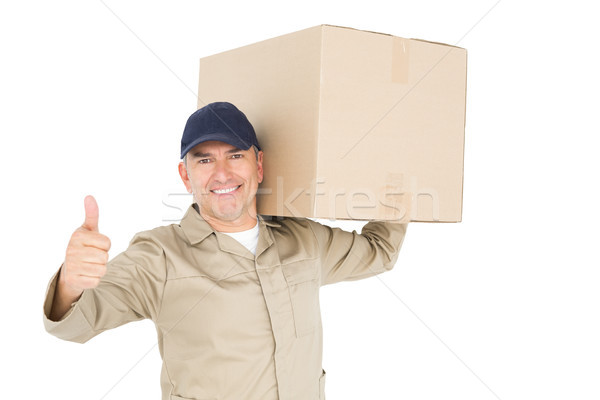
x=225 y=191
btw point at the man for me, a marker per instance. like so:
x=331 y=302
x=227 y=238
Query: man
x=234 y=295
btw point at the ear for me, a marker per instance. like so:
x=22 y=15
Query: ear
x=259 y=162
x=183 y=173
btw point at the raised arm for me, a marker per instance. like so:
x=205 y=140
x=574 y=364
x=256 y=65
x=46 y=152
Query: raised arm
x=90 y=294
x=350 y=256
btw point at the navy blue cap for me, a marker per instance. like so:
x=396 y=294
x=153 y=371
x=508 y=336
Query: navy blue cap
x=220 y=121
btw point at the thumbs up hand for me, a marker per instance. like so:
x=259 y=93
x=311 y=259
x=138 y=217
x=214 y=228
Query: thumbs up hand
x=87 y=255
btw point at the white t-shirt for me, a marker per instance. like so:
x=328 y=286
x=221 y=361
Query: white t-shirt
x=249 y=238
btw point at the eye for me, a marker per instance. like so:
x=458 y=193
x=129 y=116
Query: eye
x=204 y=161
x=238 y=155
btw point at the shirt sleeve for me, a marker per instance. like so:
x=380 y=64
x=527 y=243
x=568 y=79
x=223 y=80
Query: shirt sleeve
x=347 y=256
x=130 y=290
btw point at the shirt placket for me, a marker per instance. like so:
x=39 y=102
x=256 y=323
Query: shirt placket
x=277 y=300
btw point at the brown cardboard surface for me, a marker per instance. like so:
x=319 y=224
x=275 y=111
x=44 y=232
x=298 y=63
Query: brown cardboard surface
x=354 y=124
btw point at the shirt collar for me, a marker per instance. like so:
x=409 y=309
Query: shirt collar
x=197 y=229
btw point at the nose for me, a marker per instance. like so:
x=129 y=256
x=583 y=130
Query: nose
x=222 y=172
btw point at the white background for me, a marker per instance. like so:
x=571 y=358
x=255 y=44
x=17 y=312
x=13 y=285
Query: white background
x=505 y=305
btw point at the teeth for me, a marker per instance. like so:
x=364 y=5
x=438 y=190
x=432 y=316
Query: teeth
x=225 y=190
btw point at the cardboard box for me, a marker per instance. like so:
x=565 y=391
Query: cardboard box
x=353 y=124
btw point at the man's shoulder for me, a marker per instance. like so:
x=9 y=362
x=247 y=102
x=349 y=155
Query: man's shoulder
x=298 y=227
x=286 y=223
x=160 y=235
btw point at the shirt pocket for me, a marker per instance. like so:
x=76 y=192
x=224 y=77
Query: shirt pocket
x=302 y=279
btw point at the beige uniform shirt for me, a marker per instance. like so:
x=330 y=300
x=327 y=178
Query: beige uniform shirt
x=231 y=325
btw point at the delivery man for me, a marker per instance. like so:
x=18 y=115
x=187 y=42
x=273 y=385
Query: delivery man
x=234 y=295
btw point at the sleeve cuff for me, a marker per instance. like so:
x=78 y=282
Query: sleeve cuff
x=73 y=326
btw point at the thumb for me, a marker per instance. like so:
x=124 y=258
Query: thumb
x=91 y=214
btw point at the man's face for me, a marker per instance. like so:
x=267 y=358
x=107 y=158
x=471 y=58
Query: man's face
x=224 y=181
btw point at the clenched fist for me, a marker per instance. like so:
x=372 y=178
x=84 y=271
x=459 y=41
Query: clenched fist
x=85 y=261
